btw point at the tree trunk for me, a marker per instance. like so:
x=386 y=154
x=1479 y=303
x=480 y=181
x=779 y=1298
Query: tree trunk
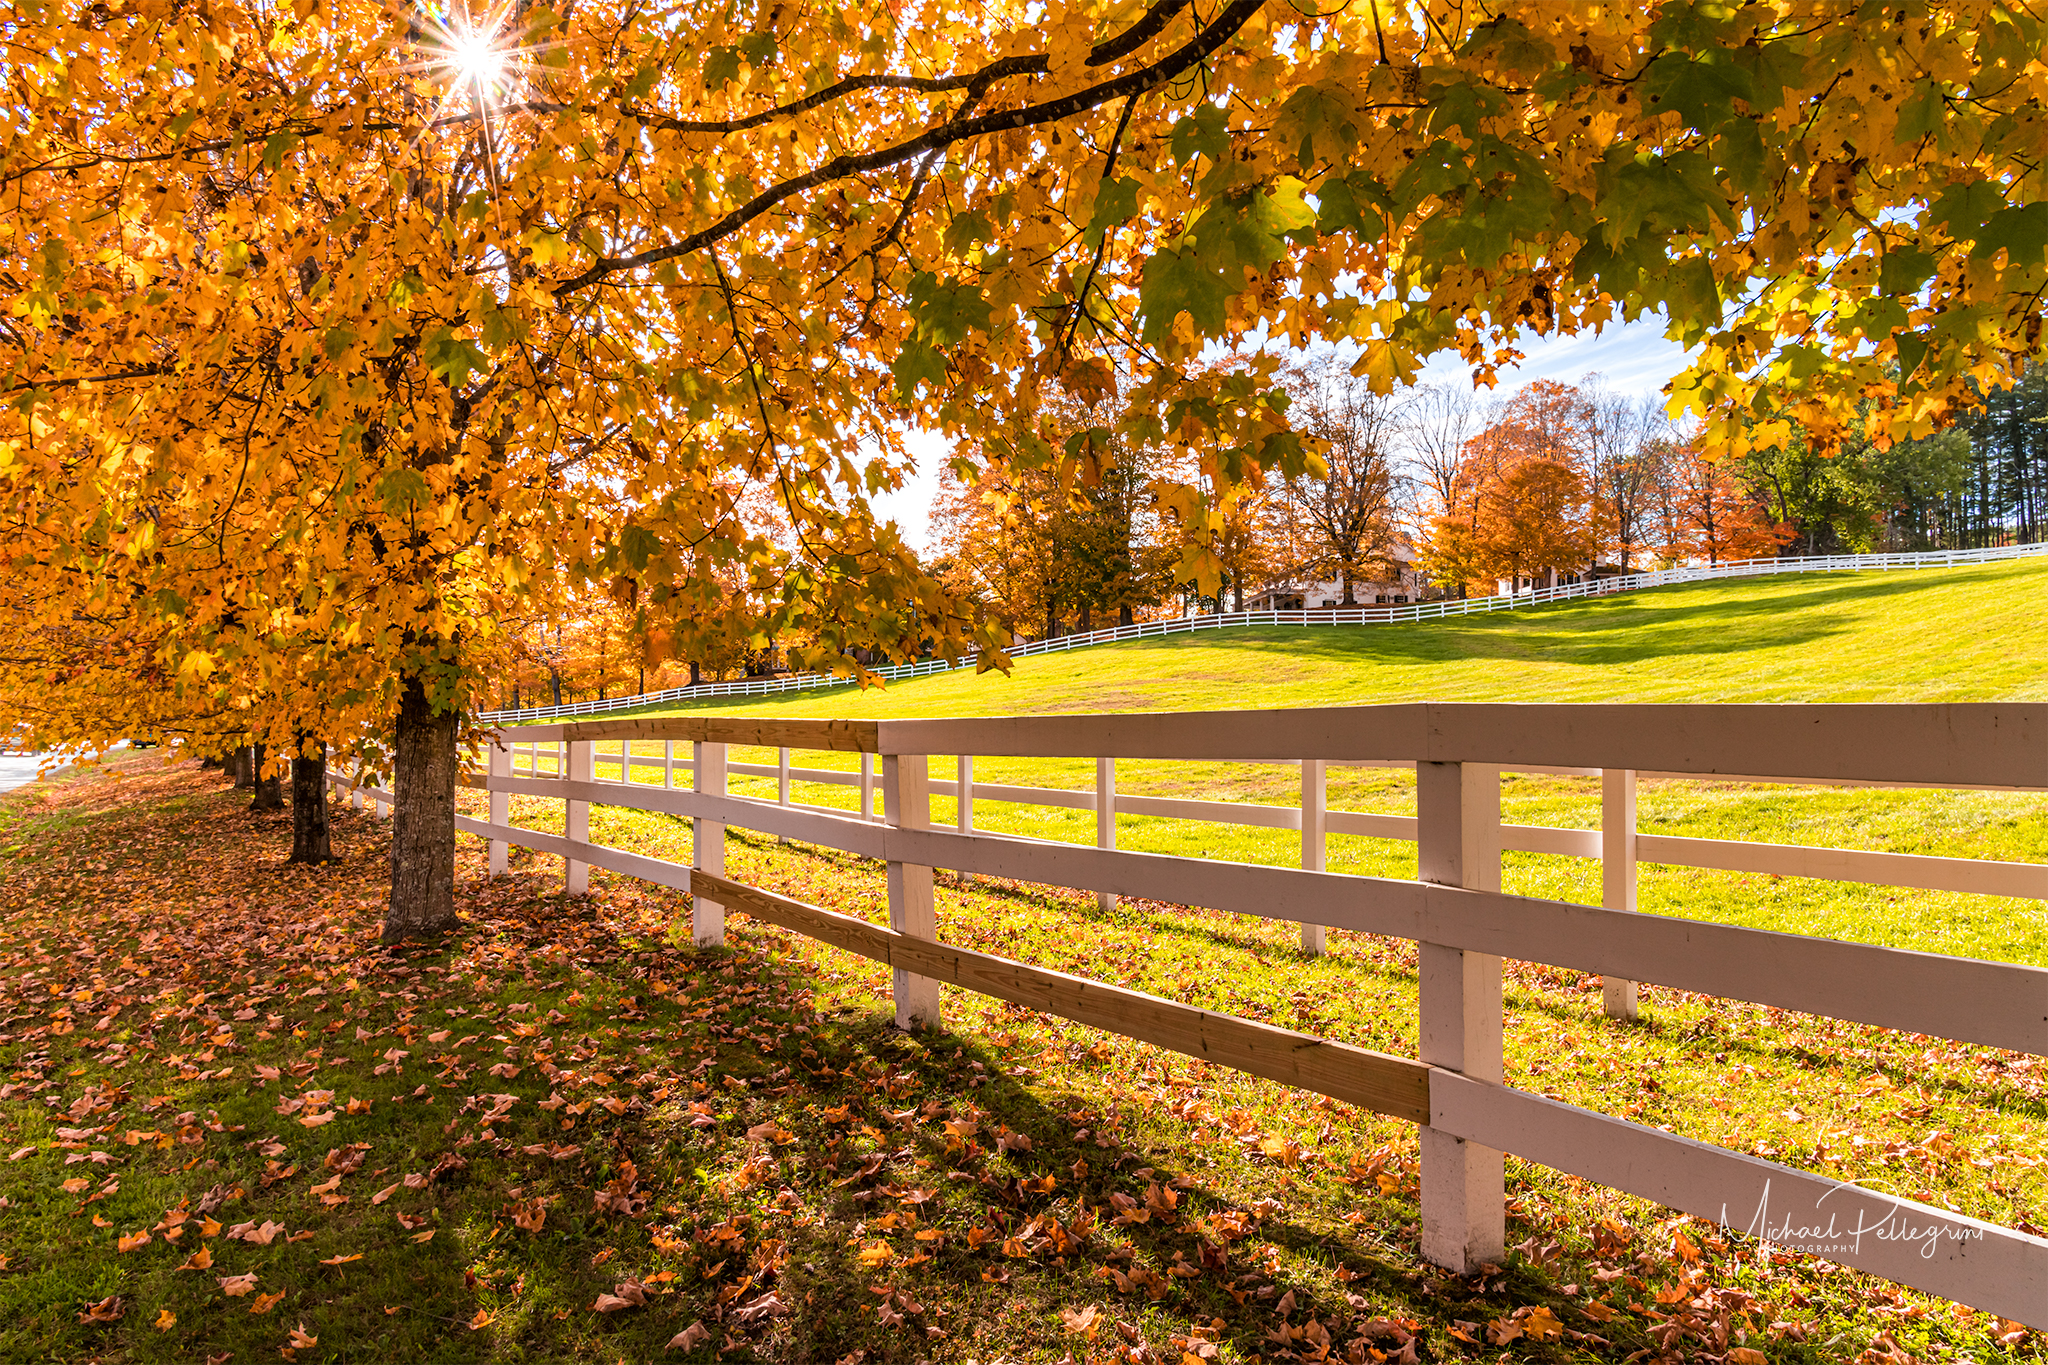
x=423 y=819
x=555 y=685
x=269 y=790
x=238 y=765
x=1123 y=615
x=309 y=808
x=696 y=673
x=1087 y=617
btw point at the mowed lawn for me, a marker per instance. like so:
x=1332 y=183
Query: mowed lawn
x=1972 y=634
x=238 y=1129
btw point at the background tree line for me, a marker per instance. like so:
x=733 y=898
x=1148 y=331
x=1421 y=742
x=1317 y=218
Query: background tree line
x=1545 y=483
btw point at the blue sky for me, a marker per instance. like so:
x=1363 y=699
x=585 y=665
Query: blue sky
x=1631 y=358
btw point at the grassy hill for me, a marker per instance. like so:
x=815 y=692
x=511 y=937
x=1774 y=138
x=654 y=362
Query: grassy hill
x=1953 y=635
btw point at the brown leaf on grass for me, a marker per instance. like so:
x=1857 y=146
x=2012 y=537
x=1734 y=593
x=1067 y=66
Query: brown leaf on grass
x=482 y=1320
x=1746 y=1355
x=341 y=1260
x=234 y=1286
x=263 y=1303
x=759 y=1309
x=528 y=1215
x=109 y=1309
x=385 y=1193
x=132 y=1240
x=78 y=1184
x=611 y=1303
x=690 y=1338
x=21 y=1152
x=1080 y=1322
x=1542 y=1325
x=201 y=1259
x=426 y=1236
x=300 y=1340
x=165 y=1320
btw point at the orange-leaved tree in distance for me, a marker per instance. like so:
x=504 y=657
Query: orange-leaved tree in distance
x=1715 y=515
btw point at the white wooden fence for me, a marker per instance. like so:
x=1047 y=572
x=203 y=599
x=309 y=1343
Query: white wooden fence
x=1455 y=912
x=1376 y=615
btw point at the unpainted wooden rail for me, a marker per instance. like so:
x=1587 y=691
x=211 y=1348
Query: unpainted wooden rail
x=1456 y=913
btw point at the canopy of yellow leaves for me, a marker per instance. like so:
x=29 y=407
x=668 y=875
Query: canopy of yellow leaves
x=332 y=342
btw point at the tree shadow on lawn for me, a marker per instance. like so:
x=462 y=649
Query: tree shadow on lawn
x=1627 y=628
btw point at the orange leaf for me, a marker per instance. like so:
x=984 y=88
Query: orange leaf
x=263 y=1303
x=165 y=1320
x=341 y=1260
x=133 y=1240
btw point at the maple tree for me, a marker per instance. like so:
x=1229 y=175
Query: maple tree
x=335 y=333
x=1715 y=515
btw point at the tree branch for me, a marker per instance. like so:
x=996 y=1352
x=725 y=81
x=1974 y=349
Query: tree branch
x=1191 y=54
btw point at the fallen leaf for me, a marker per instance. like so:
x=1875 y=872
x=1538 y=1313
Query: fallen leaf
x=426 y=1236
x=611 y=1303
x=385 y=1193
x=341 y=1260
x=690 y=1338
x=21 y=1152
x=1542 y=1325
x=234 y=1286
x=263 y=1303
x=133 y=1240
x=201 y=1259
x=1080 y=1322
x=300 y=1340
x=482 y=1320
x=165 y=1320
x=1746 y=1355
x=78 y=1184
x=108 y=1309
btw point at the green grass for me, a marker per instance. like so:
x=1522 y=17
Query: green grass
x=1950 y=635
x=808 y=1184
x=805 y=1184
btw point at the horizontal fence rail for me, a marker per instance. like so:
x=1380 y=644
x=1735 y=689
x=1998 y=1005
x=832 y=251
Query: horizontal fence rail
x=1390 y=614
x=1456 y=913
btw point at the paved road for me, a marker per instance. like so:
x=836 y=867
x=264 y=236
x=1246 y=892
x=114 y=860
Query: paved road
x=17 y=769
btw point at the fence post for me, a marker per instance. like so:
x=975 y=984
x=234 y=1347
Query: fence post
x=1618 y=872
x=501 y=806
x=907 y=804
x=668 y=764
x=1314 y=798
x=1105 y=820
x=707 y=846
x=1464 y=1218
x=576 y=823
x=963 y=803
x=782 y=776
x=867 y=788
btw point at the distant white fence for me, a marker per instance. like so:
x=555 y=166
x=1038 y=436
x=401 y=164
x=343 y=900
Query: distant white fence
x=1456 y=913
x=1331 y=616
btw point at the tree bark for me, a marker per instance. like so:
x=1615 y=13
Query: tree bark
x=238 y=765
x=309 y=808
x=269 y=790
x=423 y=819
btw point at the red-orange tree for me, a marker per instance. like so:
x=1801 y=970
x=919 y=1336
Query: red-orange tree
x=334 y=337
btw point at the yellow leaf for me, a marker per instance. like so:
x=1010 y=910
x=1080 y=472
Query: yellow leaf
x=165 y=1320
